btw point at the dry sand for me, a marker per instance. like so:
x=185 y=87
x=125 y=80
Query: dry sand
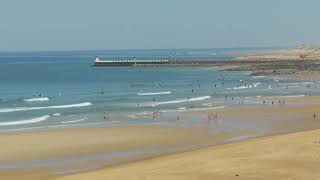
x=308 y=51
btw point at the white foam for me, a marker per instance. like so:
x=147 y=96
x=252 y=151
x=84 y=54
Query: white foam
x=73 y=121
x=141 y=115
x=256 y=84
x=178 y=101
x=203 y=109
x=193 y=109
x=256 y=77
x=240 y=87
x=29 y=121
x=37 y=99
x=5 y=110
x=56 y=114
x=154 y=93
x=245 y=87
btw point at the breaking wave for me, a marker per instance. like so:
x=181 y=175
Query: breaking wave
x=178 y=101
x=73 y=121
x=37 y=99
x=29 y=121
x=154 y=93
x=5 y=110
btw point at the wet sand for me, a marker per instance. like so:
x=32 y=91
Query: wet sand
x=43 y=154
x=24 y=146
x=291 y=156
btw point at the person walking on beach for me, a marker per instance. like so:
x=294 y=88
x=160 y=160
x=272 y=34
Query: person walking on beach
x=153 y=116
x=105 y=116
x=178 y=118
x=216 y=117
x=209 y=117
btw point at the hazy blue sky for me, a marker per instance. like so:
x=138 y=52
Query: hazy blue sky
x=135 y=24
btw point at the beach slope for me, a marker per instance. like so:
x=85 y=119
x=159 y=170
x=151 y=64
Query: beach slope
x=290 y=156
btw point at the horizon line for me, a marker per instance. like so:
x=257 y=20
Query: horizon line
x=143 y=49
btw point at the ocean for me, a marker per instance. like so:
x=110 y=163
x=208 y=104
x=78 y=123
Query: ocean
x=41 y=90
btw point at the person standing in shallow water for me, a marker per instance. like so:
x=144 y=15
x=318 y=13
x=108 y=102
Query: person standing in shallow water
x=105 y=116
x=153 y=116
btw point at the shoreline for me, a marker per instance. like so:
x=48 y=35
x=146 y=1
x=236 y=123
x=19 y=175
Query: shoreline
x=30 y=151
x=154 y=151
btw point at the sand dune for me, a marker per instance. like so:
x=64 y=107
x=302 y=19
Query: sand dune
x=298 y=52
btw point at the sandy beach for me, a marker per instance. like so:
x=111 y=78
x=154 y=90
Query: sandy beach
x=291 y=156
x=24 y=146
x=159 y=90
x=286 y=152
x=51 y=152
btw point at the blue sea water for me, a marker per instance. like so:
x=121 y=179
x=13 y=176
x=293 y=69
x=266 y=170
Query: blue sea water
x=61 y=89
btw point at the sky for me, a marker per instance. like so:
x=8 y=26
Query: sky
x=40 y=25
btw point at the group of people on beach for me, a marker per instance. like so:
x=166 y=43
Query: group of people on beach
x=212 y=116
x=280 y=102
x=155 y=115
